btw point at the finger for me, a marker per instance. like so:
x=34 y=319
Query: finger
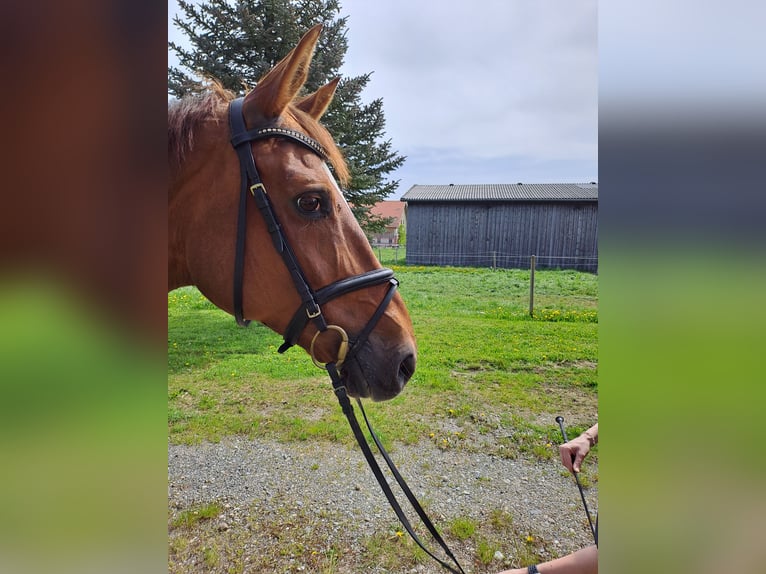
x=566 y=457
x=578 y=461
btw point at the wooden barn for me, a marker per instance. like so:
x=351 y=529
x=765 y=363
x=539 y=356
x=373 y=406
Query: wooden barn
x=504 y=225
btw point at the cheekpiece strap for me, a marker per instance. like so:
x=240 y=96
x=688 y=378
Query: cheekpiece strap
x=251 y=184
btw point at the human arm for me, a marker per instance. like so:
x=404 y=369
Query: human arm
x=573 y=452
x=584 y=561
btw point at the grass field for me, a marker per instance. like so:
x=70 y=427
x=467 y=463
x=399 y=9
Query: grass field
x=484 y=366
x=489 y=379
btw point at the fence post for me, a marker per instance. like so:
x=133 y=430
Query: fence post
x=494 y=260
x=532 y=286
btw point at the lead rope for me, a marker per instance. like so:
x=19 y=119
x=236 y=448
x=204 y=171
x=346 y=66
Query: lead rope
x=348 y=410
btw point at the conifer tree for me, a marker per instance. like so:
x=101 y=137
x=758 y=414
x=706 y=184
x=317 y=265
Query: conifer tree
x=237 y=42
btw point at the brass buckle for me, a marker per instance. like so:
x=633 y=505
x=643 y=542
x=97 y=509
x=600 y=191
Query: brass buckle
x=314 y=315
x=256 y=185
x=342 y=350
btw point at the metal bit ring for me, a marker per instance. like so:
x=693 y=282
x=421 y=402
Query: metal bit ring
x=342 y=350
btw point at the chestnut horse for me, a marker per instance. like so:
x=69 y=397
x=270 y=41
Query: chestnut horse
x=310 y=212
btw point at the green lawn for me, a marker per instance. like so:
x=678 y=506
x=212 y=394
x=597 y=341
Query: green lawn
x=489 y=376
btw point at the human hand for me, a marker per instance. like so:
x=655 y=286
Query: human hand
x=573 y=452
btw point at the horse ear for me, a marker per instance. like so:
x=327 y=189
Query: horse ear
x=278 y=87
x=316 y=104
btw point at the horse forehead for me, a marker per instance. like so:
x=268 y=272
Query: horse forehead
x=296 y=162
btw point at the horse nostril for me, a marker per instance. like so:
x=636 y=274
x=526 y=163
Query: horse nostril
x=406 y=369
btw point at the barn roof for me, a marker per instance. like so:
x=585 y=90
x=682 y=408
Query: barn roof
x=504 y=192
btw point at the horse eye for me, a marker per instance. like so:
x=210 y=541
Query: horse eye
x=309 y=203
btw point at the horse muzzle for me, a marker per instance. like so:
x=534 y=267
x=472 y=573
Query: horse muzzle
x=379 y=373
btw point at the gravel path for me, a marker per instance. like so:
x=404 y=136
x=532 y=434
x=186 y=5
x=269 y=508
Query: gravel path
x=286 y=505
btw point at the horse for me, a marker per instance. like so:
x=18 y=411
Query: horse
x=299 y=240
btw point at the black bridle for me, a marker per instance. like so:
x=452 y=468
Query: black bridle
x=311 y=301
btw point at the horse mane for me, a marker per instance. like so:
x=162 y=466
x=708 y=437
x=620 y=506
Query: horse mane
x=185 y=116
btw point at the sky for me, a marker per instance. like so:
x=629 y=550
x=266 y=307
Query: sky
x=493 y=91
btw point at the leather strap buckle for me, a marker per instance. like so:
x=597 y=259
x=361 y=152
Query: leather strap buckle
x=256 y=186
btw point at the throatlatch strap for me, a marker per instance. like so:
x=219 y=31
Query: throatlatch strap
x=237 y=122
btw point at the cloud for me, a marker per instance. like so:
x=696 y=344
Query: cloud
x=490 y=79
x=470 y=87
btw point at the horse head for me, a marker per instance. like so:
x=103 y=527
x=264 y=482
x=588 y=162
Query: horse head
x=314 y=218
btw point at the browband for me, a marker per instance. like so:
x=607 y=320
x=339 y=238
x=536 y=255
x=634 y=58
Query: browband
x=273 y=132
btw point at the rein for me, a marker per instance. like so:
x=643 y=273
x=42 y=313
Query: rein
x=310 y=309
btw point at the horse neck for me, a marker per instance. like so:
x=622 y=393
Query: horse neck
x=178 y=274
x=189 y=187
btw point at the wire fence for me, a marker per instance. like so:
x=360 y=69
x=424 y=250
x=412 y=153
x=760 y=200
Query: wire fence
x=390 y=254
x=395 y=254
x=492 y=259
